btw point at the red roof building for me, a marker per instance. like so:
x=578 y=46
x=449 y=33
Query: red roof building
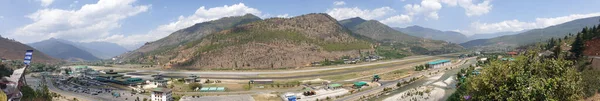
x=512 y=53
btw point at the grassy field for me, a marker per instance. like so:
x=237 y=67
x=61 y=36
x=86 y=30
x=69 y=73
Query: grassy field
x=396 y=74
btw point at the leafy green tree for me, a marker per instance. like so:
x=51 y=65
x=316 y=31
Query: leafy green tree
x=529 y=77
x=28 y=93
x=5 y=70
x=591 y=82
x=193 y=86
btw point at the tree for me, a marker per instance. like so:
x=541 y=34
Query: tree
x=5 y=71
x=193 y=86
x=28 y=93
x=529 y=77
x=550 y=44
x=577 y=47
x=591 y=82
x=557 y=51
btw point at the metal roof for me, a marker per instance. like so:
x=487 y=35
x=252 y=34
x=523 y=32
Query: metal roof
x=438 y=62
x=209 y=89
x=361 y=83
x=160 y=89
x=335 y=85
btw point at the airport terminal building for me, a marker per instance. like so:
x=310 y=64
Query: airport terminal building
x=439 y=63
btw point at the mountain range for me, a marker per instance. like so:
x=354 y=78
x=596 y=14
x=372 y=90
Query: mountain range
x=13 y=50
x=399 y=40
x=450 y=36
x=535 y=35
x=250 y=42
x=492 y=35
x=78 y=51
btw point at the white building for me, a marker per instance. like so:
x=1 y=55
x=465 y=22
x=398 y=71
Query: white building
x=161 y=94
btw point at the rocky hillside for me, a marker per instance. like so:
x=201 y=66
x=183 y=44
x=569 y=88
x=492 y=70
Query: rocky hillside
x=13 y=50
x=192 y=33
x=428 y=33
x=592 y=47
x=397 y=40
x=59 y=49
x=270 y=43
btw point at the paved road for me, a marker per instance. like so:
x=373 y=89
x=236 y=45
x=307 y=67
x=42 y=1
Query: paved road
x=389 y=84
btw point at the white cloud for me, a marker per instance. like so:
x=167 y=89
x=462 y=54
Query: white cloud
x=516 y=25
x=283 y=16
x=471 y=8
x=91 y=22
x=397 y=20
x=345 y=13
x=46 y=3
x=427 y=8
x=73 y=4
x=339 y=3
x=201 y=15
x=450 y=2
x=475 y=9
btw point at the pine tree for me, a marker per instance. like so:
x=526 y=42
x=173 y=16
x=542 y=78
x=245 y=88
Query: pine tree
x=577 y=47
x=557 y=51
x=550 y=44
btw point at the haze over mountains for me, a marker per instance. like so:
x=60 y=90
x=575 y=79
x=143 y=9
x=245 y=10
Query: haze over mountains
x=492 y=35
x=535 y=35
x=387 y=35
x=78 y=51
x=450 y=36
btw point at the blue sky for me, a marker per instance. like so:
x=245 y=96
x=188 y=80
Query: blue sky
x=134 y=22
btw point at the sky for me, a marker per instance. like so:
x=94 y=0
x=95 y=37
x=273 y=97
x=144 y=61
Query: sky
x=131 y=23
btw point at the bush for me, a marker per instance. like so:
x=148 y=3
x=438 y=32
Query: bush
x=591 y=82
x=529 y=77
x=193 y=86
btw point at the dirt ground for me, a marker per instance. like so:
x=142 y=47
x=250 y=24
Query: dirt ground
x=267 y=97
x=593 y=98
